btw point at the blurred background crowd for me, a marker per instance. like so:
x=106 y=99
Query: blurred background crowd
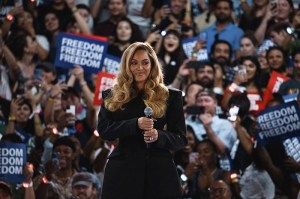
x=50 y=109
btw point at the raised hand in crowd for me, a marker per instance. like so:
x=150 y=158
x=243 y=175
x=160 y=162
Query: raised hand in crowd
x=28 y=173
x=10 y=18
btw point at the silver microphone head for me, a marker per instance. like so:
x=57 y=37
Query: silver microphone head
x=148 y=111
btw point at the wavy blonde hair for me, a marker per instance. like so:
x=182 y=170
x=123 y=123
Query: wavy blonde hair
x=156 y=93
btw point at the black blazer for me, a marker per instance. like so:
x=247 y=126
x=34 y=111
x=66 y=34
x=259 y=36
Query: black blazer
x=133 y=171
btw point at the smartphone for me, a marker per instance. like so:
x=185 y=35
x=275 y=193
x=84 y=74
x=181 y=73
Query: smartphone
x=194 y=64
x=56 y=158
x=193 y=157
x=242 y=70
x=273 y=4
x=71 y=109
x=194 y=110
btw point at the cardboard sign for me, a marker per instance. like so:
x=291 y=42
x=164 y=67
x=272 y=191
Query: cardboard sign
x=104 y=82
x=275 y=81
x=111 y=64
x=77 y=49
x=278 y=123
x=12 y=159
x=188 y=45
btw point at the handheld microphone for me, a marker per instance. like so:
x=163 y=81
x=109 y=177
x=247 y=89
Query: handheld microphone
x=148 y=113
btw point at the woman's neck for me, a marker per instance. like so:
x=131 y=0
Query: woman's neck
x=123 y=45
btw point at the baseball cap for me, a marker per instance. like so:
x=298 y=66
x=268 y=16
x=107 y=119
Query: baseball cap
x=84 y=179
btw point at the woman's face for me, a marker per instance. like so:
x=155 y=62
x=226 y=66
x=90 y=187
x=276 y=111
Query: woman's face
x=51 y=22
x=263 y=61
x=171 y=43
x=24 y=19
x=66 y=156
x=297 y=63
x=206 y=152
x=140 y=67
x=246 y=47
x=124 y=31
x=284 y=9
x=191 y=142
x=23 y=113
x=250 y=69
x=48 y=77
x=275 y=59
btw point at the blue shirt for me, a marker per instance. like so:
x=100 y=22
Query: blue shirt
x=221 y=127
x=230 y=33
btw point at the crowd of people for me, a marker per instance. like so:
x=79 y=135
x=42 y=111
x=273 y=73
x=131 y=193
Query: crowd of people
x=51 y=109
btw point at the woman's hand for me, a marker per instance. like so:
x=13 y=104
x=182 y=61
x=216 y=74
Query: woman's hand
x=145 y=123
x=150 y=136
x=15 y=105
x=28 y=172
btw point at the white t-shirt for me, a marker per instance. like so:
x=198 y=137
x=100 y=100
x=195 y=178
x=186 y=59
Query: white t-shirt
x=134 y=9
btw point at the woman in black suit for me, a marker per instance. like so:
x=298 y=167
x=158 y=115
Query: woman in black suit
x=142 y=165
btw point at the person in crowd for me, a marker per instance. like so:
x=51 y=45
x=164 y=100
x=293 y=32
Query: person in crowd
x=221 y=56
x=60 y=10
x=124 y=36
x=25 y=21
x=52 y=26
x=248 y=45
x=248 y=76
x=85 y=12
x=59 y=171
x=280 y=12
x=143 y=149
x=280 y=36
x=292 y=85
x=107 y=28
x=276 y=58
x=20 y=120
x=220 y=190
x=85 y=186
x=251 y=19
x=203 y=170
x=190 y=93
x=219 y=131
x=24 y=48
x=224 y=29
x=171 y=55
x=207 y=17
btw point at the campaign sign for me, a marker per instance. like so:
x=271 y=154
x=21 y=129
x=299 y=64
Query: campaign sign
x=278 y=123
x=275 y=81
x=188 y=46
x=84 y=51
x=12 y=159
x=104 y=82
x=111 y=64
x=290 y=97
x=292 y=149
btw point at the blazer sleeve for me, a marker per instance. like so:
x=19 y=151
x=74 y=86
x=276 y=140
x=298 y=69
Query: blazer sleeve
x=109 y=129
x=173 y=138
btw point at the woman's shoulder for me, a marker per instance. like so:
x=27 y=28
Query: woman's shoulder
x=173 y=92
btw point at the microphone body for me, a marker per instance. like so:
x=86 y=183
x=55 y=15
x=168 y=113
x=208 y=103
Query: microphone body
x=148 y=113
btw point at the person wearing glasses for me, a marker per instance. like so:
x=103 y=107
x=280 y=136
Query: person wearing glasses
x=220 y=190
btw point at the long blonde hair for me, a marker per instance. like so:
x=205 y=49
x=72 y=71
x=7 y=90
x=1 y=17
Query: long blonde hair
x=156 y=93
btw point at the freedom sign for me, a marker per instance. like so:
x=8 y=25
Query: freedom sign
x=12 y=159
x=188 y=46
x=104 y=82
x=276 y=79
x=111 y=64
x=85 y=51
x=278 y=123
